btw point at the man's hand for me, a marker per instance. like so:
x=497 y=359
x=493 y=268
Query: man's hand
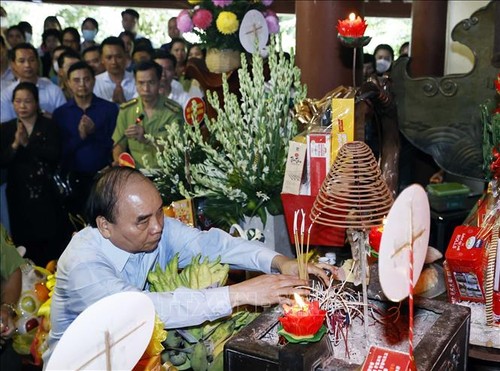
x=136 y=132
x=266 y=290
x=289 y=266
x=118 y=94
x=86 y=127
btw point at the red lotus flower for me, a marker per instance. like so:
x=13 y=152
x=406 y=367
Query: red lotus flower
x=497 y=83
x=305 y=321
x=374 y=237
x=202 y=19
x=352 y=27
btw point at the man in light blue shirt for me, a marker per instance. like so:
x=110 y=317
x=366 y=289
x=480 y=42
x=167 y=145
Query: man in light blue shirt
x=129 y=234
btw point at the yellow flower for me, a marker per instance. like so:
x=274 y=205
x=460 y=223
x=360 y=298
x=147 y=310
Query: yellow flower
x=227 y=23
x=194 y=2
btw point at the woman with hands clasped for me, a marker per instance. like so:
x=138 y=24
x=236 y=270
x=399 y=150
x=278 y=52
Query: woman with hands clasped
x=29 y=150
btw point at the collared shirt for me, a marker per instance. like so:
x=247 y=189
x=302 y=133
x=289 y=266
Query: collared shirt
x=8 y=78
x=166 y=113
x=50 y=96
x=92 y=268
x=178 y=94
x=93 y=153
x=104 y=86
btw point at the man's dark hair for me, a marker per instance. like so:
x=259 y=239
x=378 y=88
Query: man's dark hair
x=112 y=40
x=93 y=21
x=80 y=66
x=51 y=32
x=105 y=192
x=73 y=31
x=144 y=48
x=178 y=40
x=93 y=48
x=147 y=65
x=29 y=86
x=15 y=28
x=131 y=12
x=143 y=41
x=70 y=53
x=162 y=54
x=25 y=27
x=22 y=46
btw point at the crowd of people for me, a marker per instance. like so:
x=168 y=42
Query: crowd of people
x=70 y=107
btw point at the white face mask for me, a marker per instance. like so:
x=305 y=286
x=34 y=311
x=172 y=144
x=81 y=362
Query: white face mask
x=89 y=35
x=27 y=37
x=55 y=66
x=383 y=65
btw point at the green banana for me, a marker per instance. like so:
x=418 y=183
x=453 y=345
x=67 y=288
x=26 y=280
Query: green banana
x=221 y=333
x=218 y=363
x=204 y=276
x=210 y=327
x=199 y=360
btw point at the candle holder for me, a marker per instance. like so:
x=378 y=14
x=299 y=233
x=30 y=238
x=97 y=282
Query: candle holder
x=351 y=34
x=302 y=322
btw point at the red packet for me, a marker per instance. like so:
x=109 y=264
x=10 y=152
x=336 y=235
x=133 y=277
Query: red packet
x=386 y=360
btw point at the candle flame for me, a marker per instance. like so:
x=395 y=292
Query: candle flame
x=352 y=17
x=300 y=302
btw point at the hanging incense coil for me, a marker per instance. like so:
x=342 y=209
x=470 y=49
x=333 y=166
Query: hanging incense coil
x=353 y=195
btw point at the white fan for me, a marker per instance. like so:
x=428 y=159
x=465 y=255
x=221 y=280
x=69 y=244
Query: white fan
x=254 y=31
x=112 y=333
x=408 y=223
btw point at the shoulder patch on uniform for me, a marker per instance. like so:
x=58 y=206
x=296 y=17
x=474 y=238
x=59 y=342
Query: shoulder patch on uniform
x=172 y=105
x=129 y=103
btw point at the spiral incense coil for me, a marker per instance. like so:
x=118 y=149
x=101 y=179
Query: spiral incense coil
x=490 y=275
x=353 y=195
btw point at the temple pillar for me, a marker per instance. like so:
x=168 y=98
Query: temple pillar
x=428 y=38
x=324 y=62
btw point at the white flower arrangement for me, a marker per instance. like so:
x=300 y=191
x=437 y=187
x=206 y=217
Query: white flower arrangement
x=240 y=169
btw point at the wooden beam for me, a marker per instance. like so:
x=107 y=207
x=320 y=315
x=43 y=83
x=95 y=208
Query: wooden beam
x=395 y=8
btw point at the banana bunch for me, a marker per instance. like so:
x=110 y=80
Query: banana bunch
x=44 y=310
x=196 y=275
x=207 y=352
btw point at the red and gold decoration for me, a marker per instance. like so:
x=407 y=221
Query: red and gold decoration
x=303 y=321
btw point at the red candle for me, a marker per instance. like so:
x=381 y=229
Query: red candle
x=303 y=319
x=375 y=236
x=352 y=26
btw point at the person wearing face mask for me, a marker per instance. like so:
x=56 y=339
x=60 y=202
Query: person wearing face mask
x=384 y=56
x=90 y=28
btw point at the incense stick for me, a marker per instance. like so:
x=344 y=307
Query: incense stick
x=302 y=256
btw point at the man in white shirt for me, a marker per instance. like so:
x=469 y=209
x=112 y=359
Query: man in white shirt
x=24 y=60
x=169 y=87
x=5 y=71
x=115 y=84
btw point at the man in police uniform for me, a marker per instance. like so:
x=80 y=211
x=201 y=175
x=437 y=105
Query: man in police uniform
x=150 y=113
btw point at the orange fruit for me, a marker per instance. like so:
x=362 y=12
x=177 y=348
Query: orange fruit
x=42 y=292
x=51 y=266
